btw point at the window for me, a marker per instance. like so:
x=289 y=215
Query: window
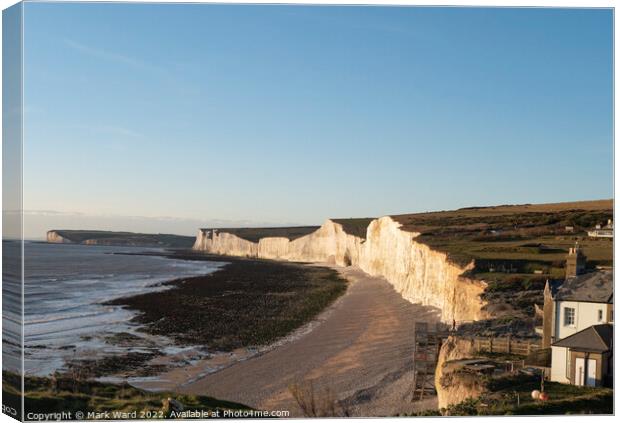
x=600 y=315
x=569 y=316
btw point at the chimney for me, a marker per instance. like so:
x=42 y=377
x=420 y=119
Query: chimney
x=575 y=262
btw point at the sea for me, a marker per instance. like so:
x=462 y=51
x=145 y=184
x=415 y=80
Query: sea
x=65 y=289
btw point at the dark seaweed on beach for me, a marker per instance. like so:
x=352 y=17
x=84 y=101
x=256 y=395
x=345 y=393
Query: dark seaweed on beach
x=247 y=303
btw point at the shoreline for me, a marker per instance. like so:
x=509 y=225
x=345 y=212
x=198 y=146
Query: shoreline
x=360 y=358
x=369 y=326
x=247 y=303
x=357 y=345
x=364 y=339
x=68 y=327
x=308 y=291
x=173 y=378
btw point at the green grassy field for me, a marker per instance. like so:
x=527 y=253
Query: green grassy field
x=515 y=249
x=514 y=235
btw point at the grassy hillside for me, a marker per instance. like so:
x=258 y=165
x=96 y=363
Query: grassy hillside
x=515 y=249
x=529 y=232
x=127 y=238
x=504 y=239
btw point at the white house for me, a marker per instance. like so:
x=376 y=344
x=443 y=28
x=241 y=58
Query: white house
x=603 y=231
x=579 y=323
x=585 y=358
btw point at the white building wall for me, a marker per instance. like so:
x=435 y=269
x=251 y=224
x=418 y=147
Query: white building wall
x=586 y=315
x=559 y=357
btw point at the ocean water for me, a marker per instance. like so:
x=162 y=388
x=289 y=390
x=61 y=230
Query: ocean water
x=64 y=291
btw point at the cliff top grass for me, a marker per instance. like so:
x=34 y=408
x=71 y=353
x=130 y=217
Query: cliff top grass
x=126 y=238
x=514 y=239
x=355 y=226
x=352 y=226
x=515 y=249
x=255 y=234
x=71 y=393
x=501 y=239
x=511 y=394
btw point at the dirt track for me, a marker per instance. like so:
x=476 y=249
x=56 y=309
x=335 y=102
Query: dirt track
x=361 y=354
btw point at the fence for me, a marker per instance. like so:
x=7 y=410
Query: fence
x=428 y=340
x=505 y=345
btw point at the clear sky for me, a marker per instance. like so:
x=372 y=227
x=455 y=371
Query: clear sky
x=240 y=115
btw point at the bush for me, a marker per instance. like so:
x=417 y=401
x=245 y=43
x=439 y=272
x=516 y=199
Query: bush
x=469 y=407
x=534 y=283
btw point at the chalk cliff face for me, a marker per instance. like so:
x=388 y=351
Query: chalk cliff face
x=454 y=387
x=418 y=273
x=224 y=243
x=56 y=238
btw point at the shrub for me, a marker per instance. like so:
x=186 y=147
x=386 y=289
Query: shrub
x=534 y=283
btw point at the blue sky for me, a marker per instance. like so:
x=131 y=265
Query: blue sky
x=293 y=114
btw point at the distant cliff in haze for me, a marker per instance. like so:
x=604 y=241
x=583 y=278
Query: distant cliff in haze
x=61 y=236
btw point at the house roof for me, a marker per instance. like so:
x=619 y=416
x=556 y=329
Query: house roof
x=597 y=338
x=554 y=286
x=593 y=287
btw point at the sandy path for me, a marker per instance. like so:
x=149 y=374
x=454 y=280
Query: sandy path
x=362 y=352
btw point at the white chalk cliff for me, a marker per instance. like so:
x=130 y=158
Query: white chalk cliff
x=418 y=273
x=55 y=238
